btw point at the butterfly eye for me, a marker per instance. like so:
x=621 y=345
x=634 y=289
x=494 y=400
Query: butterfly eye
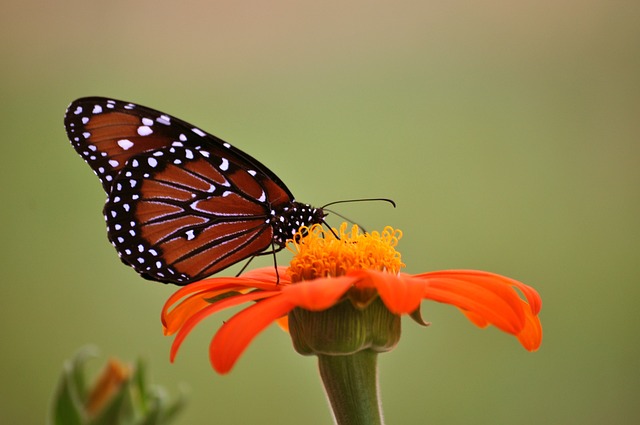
x=182 y=204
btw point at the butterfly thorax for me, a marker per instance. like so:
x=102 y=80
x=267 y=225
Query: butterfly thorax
x=287 y=221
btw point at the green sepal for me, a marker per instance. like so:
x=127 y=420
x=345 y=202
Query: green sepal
x=416 y=315
x=344 y=329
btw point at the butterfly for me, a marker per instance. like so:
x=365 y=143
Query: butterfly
x=181 y=203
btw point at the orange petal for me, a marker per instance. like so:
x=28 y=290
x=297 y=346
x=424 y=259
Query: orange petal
x=496 y=303
x=318 y=294
x=173 y=319
x=196 y=317
x=401 y=294
x=476 y=319
x=532 y=296
x=531 y=335
x=489 y=298
x=283 y=322
x=196 y=288
x=191 y=298
x=236 y=334
x=268 y=274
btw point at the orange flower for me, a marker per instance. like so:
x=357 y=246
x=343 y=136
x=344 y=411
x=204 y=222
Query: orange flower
x=357 y=268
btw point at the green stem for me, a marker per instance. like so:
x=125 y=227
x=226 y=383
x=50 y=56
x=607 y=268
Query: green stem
x=351 y=384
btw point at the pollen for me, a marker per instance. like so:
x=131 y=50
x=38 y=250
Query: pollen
x=319 y=253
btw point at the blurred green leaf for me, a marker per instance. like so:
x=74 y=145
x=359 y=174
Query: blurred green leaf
x=67 y=409
x=70 y=397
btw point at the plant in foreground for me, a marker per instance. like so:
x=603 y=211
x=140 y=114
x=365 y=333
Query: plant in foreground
x=119 y=395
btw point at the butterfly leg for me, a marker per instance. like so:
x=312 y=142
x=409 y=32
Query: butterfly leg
x=273 y=251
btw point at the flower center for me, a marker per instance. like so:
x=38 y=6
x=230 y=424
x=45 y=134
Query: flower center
x=318 y=253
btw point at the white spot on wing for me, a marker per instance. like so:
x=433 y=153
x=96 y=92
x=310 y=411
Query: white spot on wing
x=144 y=130
x=97 y=109
x=190 y=235
x=113 y=163
x=225 y=164
x=125 y=144
x=164 y=119
x=152 y=161
x=147 y=121
x=198 y=131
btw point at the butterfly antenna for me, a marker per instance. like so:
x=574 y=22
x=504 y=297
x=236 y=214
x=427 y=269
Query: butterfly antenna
x=331 y=228
x=345 y=201
x=390 y=201
x=344 y=218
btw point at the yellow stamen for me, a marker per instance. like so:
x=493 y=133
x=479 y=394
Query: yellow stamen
x=317 y=252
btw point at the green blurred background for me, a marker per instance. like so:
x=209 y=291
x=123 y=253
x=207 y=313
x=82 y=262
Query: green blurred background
x=507 y=132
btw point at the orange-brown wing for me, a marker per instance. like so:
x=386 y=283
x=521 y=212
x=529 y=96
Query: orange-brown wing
x=180 y=215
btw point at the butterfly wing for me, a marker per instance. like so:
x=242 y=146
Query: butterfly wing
x=178 y=216
x=107 y=133
x=182 y=204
